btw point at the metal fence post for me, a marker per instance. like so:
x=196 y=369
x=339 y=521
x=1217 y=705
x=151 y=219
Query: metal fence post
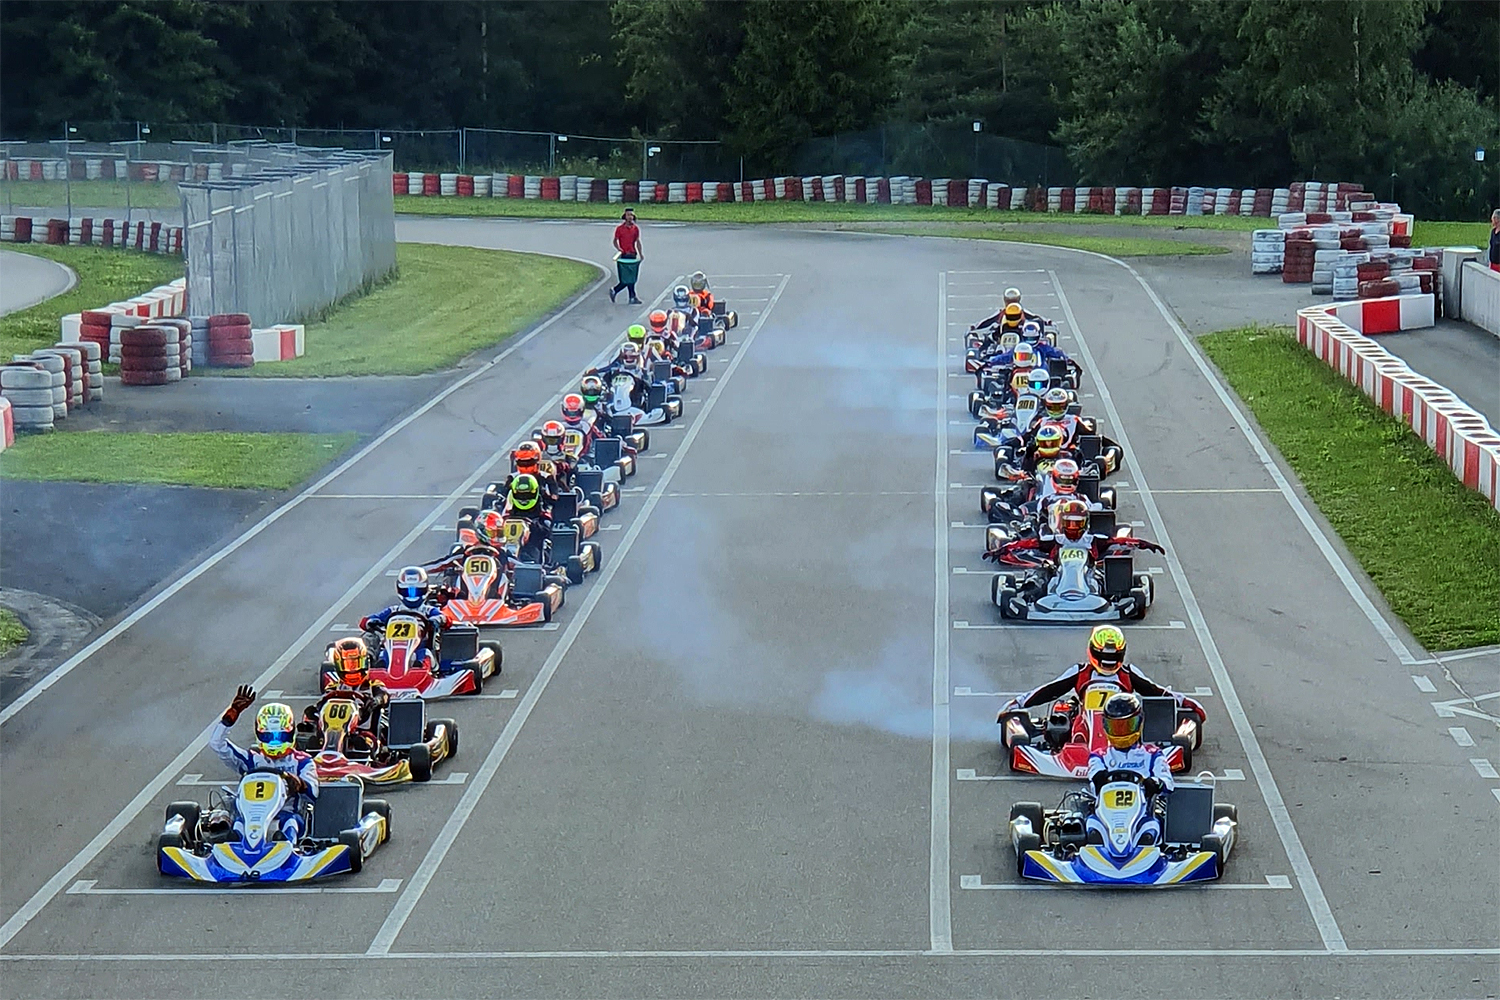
x=463 y=143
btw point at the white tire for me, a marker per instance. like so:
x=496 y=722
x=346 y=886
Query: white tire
x=24 y=378
x=28 y=397
x=31 y=416
x=59 y=411
x=51 y=362
x=59 y=394
x=174 y=375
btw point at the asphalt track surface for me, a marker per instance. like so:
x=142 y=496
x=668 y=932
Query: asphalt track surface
x=26 y=279
x=755 y=758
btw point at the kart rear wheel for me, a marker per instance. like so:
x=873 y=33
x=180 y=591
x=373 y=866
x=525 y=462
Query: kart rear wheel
x=575 y=570
x=381 y=808
x=350 y=839
x=1138 y=609
x=450 y=739
x=494 y=646
x=189 y=811
x=1025 y=842
x=1031 y=811
x=598 y=555
x=1223 y=810
x=419 y=759
x=1186 y=743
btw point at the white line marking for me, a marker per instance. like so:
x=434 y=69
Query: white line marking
x=963 y=692
x=1245 y=489
x=506 y=695
x=377 y=496
x=1043 y=626
x=975 y=882
x=940 y=876
x=88 y=887
x=1468 y=654
x=1291 y=842
x=1461 y=736
x=1423 y=684
x=1483 y=767
x=135 y=806
x=1496 y=792
x=422 y=878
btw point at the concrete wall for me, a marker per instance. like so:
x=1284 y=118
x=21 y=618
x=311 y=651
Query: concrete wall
x=1479 y=296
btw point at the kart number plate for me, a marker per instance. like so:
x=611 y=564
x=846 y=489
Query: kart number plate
x=479 y=566
x=1072 y=557
x=513 y=530
x=259 y=790
x=336 y=714
x=1008 y=341
x=572 y=440
x=1094 y=698
x=401 y=628
x=1119 y=798
x=548 y=468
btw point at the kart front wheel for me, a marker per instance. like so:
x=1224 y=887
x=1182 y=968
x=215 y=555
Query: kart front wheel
x=1025 y=842
x=450 y=735
x=419 y=759
x=350 y=839
x=495 y=648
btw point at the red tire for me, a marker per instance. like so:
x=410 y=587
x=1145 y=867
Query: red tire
x=229 y=319
x=143 y=336
x=232 y=361
x=219 y=334
x=140 y=351
x=128 y=377
x=160 y=363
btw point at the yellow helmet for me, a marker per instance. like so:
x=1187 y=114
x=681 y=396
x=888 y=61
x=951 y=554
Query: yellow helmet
x=274 y=727
x=1107 y=648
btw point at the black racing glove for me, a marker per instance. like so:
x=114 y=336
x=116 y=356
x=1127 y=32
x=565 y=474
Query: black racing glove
x=244 y=697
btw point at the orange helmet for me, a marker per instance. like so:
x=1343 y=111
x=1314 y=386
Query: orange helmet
x=527 y=455
x=1049 y=440
x=657 y=321
x=1107 y=648
x=1073 y=518
x=351 y=661
x=1065 y=476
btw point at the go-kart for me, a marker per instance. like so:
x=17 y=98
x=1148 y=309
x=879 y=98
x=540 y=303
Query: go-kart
x=562 y=559
x=1059 y=745
x=478 y=591
x=463 y=662
x=1124 y=836
x=1073 y=587
x=1018 y=504
x=1088 y=450
x=402 y=746
x=240 y=840
x=700 y=336
x=646 y=404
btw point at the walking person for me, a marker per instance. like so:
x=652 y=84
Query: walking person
x=1495 y=240
x=628 y=256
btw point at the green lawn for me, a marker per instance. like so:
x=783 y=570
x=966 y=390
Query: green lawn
x=256 y=461
x=12 y=632
x=89 y=194
x=1431 y=545
x=1450 y=234
x=799 y=211
x=444 y=303
x=105 y=275
x=1115 y=246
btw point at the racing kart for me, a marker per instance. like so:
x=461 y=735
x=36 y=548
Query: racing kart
x=1087 y=450
x=239 y=839
x=646 y=404
x=1074 y=588
x=1059 y=745
x=563 y=559
x=1016 y=506
x=402 y=746
x=1033 y=331
x=701 y=336
x=1123 y=836
x=480 y=592
x=464 y=663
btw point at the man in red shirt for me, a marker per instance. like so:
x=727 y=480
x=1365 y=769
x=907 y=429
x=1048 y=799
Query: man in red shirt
x=628 y=261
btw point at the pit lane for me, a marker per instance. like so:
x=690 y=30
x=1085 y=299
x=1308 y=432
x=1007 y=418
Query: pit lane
x=736 y=752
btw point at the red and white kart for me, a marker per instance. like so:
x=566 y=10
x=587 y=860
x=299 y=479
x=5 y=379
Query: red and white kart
x=481 y=593
x=459 y=663
x=1059 y=745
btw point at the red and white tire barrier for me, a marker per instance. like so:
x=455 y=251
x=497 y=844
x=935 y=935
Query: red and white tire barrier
x=7 y=425
x=278 y=343
x=150 y=354
x=1460 y=436
x=151 y=237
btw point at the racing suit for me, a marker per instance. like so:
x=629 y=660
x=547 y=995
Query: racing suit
x=432 y=617
x=1081 y=676
x=242 y=762
x=539 y=523
x=1144 y=759
x=999 y=317
x=447 y=569
x=1100 y=546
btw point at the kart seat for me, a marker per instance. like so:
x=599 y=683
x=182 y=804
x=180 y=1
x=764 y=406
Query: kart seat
x=340 y=803
x=460 y=643
x=1190 y=814
x=620 y=424
x=607 y=451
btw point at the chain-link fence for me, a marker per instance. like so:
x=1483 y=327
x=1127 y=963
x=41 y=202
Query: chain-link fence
x=298 y=231
x=939 y=149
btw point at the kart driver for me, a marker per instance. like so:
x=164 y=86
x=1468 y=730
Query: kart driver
x=524 y=502
x=1123 y=719
x=272 y=750
x=1016 y=316
x=414 y=590
x=1105 y=666
x=1072 y=519
x=702 y=296
x=527 y=459
x=351 y=661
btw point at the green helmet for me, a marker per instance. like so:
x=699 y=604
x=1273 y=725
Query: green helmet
x=636 y=334
x=524 y=490
x=591 y=389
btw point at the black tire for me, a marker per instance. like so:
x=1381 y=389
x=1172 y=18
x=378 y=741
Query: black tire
x=995 y=590
x=1107 y=499
x=419 y=758
x=575 y=570
x=1028 y=810
x=645 y=439
x=491 y=644
x=598 y=551
x=382 y=808
x=350 y=839
x=189 y=811
x=1213 y=843
x=1186 y=744
x=975 y=398
x=478 y=676
x=1138 y=611
x=1223 y=810
x=1025 y=842
x=451 y=739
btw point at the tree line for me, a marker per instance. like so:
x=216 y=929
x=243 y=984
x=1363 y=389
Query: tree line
x=1396 y=94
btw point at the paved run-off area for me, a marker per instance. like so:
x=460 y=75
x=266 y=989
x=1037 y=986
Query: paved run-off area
x=755 y=757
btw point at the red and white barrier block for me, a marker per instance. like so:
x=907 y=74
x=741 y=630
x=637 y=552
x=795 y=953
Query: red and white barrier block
x=278 y=343
x=1461 y=437
x=7 y=425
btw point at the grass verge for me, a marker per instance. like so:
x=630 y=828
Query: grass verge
x=444 y=303
x=800 y=211
x=12 y=632
x=105 y=275
x=1431 y=545
x=1115 y=246
x=90 y=194
x=247 y=461
x=1450 y=234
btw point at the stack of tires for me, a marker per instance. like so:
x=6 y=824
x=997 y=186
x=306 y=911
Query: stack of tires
x=150 y=354
x=29 y=387
x=1267 y=251
x=75 y=373
x=185 y=341
x=93 y=364
x=229 y=341
x=198 y=326
x=1300 y=255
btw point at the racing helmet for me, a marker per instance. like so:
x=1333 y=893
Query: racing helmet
x=274 y=728
x=635 y=334
x=1056 y=401
x=1012 y=296
x=1072 y=517
x=1031 y=330
x=1049 y=440
x=572 y=409
x=699 y=281
x=630 y=353
x=351 y=661
x=412 y=586
x=526 y=456
x=1023 y=357
x=1012 y=315
x=524 y=491
x=680 y=298
x=591 y=389
x=1123 y=718
x=1065 y=477
x=1106 y=649
x=552 y=435
x=657 y=321
x=487 y=527
x=1041 y=380
x=1019 y=381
